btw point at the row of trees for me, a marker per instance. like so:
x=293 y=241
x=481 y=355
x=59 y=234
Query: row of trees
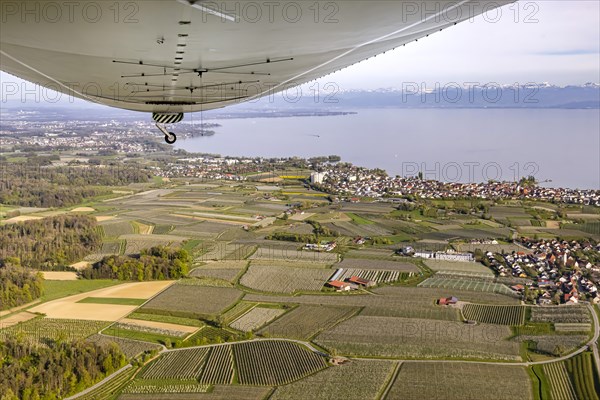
x=156 y=263
x=49 y=243
x=320 y=230
x=293 y=237
x=39 y=185
x=37 y=194
x=18 y=287
x=35 y=372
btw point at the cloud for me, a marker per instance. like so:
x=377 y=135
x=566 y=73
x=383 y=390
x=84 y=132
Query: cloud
x=573 y=52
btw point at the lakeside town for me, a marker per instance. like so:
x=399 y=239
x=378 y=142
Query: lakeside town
x=22 y=131
x=348 y=180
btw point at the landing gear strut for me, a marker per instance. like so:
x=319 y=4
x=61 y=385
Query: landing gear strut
x=167 y=118
x=170 y=137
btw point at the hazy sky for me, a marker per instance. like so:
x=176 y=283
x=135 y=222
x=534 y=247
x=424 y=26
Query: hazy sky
x=562 y=47
x=556 y=41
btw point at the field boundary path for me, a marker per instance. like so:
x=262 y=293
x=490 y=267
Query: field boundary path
x=393 y=378
x=19 y=308
x=102 y=382
x=594 y=344
x=300 y=342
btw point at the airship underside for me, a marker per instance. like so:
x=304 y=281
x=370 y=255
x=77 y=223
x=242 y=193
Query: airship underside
x=171 y=57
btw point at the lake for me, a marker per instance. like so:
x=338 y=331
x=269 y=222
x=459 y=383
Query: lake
x=463 y=145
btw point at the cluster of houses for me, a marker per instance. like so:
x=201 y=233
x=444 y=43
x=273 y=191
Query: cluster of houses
x=199 y=167
x=225 y=168
x=348 y=180
x=20 y=130
x=558 y=270
x=512 y=265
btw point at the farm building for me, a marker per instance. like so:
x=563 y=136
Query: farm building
x=445 y=256
x=447 y=301
x=359 y=240
x=342 y=286
x=423 y=254
x=464 y=257
x=335 y=277
x=361 y=282
x=406 y=251
x=328 y=246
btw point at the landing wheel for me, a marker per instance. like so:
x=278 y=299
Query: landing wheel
x=170 y=138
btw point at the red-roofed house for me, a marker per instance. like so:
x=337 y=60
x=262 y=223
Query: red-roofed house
x=518 y=288
x=339 y=285
x=360 y=281
x=447 y=301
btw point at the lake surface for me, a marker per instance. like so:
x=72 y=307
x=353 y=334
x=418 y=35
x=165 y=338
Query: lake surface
x=445 y=144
